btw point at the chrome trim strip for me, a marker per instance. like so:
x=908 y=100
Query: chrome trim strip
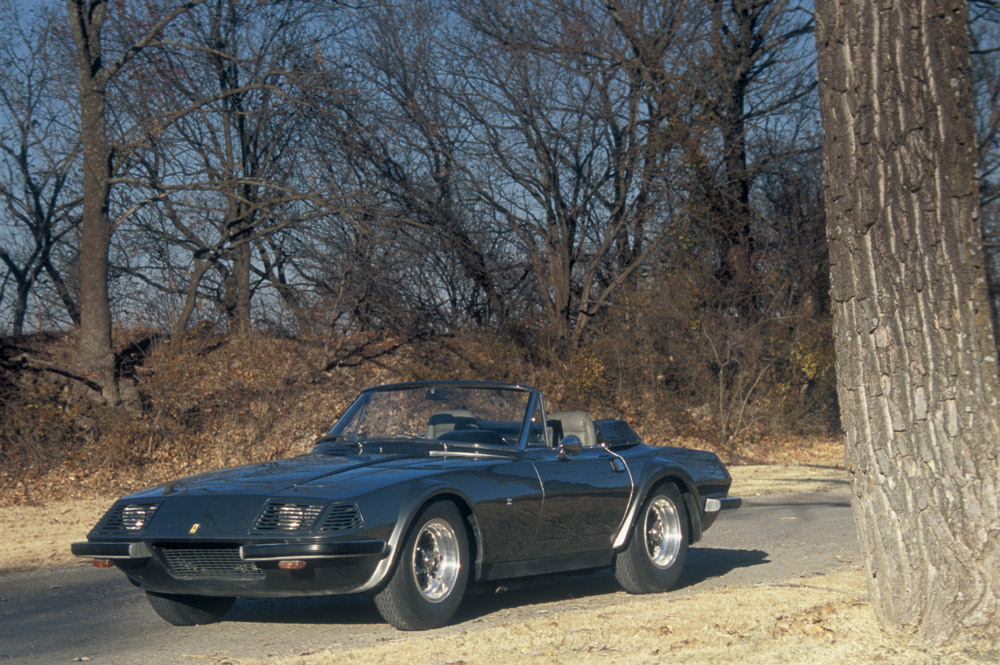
x=276 y=551
x=105 y=550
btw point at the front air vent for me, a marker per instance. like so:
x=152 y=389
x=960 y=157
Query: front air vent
x=195 y=563
x=288 y=517
x=127 y=518
x=342 y=518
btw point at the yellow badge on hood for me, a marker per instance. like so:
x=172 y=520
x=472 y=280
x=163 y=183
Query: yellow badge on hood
x=194 y=528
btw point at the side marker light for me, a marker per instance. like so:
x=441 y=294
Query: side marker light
x=292 y=564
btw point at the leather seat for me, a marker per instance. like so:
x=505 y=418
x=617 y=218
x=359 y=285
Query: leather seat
x=574 y=422
x=449 y=421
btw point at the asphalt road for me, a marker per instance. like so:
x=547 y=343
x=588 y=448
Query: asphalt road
x=84 y=614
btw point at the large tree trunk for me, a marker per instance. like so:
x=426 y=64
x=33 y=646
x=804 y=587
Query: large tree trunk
x=916 y=360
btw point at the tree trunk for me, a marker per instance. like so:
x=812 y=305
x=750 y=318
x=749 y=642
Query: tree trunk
x=68 y=301
x=20 y=308
x=916 y=360
x=95 y=354
x=190 y=300
x=733 y=56
x=241 y=273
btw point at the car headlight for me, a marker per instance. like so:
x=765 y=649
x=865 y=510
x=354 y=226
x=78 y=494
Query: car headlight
x=288 y=516
x=128 y=518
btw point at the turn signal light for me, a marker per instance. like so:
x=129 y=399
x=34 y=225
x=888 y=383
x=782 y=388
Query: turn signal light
x=292 y=564
x=102 y=563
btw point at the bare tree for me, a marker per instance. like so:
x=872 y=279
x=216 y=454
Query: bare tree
x=96 y=69
x=916 y=357
x=405 y=136
x=753 y=77
x=236 y=159
x=38 y=160
x=566 y=153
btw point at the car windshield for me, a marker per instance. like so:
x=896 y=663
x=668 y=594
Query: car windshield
x=491 y=415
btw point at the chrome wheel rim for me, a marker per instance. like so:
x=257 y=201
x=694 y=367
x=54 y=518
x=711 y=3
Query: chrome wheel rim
x=663 y=532
x=436 y=560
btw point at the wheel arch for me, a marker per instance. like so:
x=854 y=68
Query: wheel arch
x=420 y=498
x=469 y=522
x=689 y=493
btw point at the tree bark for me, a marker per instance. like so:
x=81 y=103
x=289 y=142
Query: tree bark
x=916 y=359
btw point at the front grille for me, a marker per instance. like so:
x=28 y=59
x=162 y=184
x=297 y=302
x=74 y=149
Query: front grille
x=342 y=518
x=287 y=517
x=127 y=518
x=193 y=563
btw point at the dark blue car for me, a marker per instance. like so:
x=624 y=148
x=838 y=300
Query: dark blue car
x=419 y=491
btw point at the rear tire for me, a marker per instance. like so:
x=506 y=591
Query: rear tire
x=183 y=610
x=653 y=560
x=427 y=584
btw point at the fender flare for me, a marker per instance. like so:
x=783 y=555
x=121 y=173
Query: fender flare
x=416 y=498
x=688 y=490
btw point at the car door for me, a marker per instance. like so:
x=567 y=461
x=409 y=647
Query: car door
x=584 y=498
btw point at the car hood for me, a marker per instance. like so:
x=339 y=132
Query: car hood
x=338 y=466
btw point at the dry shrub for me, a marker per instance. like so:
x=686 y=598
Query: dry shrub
x=683 y=370
x=207 y=403
x=40 y=427
x=210 y=401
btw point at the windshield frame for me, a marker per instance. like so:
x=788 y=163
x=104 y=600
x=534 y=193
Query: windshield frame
x=354 y=414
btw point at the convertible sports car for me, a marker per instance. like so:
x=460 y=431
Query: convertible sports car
x=419 y=491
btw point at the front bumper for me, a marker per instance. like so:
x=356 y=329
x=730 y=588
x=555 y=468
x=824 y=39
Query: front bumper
x=92 y=550
x=714 y=505
x=232 y=569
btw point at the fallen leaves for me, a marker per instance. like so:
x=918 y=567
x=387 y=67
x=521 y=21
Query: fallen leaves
x=813 y=622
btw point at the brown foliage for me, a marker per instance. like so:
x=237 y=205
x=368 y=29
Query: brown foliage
x=210 y=401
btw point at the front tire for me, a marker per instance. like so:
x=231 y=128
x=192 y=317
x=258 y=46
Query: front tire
x=653 y=560
x=427 y=584
x=182 y=610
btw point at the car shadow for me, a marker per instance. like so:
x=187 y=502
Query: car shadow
x=703 y=564
x=321 y=610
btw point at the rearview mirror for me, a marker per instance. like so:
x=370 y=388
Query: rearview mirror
x=436 y=395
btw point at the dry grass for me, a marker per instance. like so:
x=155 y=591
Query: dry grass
x=820 y=620
x=38 y=537
x=760 y=479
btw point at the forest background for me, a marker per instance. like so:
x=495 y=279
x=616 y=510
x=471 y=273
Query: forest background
x=619 y=202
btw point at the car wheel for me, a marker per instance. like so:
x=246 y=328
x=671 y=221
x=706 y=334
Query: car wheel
x=189 y=610
x=655 y=555
x=427 y=584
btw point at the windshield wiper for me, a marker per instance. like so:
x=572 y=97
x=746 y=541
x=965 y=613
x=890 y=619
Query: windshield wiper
x=335 y=438
x=360 y=443
x=400 y=437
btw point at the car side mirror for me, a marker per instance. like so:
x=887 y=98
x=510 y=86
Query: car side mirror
x=570 y=445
